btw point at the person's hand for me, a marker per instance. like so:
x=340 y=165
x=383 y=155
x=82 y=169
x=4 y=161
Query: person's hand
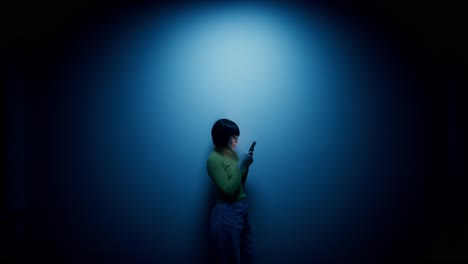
x=245 y=160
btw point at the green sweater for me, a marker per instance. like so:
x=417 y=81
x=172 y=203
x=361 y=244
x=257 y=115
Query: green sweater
x=229 y=180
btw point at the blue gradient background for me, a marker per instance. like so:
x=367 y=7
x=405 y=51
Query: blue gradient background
x=116 y=144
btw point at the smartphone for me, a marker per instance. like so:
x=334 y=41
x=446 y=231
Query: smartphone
x=252 y=146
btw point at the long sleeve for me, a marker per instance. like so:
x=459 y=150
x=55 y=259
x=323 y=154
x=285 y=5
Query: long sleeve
x=244 y=176
x=226 y=176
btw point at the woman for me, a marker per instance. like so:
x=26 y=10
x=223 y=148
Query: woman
x=230 y=228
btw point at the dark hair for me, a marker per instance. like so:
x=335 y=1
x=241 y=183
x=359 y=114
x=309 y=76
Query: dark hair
x=222 y=130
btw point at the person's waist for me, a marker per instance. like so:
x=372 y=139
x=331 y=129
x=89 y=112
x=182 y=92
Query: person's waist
x=242 y=199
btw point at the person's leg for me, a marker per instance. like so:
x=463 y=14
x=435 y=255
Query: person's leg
x=226 y=228
x=248 y=250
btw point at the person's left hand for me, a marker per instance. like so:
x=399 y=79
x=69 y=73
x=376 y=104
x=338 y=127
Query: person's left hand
x=245 y=160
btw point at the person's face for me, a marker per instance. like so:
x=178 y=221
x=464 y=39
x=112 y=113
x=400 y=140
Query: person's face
x=233 y=141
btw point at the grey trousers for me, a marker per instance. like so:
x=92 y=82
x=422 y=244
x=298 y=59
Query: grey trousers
x=231 y=233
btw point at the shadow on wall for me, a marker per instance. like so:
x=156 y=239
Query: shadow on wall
x=208 y=199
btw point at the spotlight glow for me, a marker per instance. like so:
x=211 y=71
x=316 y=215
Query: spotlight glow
x=238 y=61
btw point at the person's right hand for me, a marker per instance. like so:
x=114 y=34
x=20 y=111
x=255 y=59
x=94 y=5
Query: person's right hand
x=245 y=160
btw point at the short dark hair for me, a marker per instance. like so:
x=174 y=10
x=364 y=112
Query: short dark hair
x=222 y=130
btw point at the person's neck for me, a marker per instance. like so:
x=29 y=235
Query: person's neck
x=227 y=151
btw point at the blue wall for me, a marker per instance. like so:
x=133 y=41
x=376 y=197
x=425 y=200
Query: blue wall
x=118 y=143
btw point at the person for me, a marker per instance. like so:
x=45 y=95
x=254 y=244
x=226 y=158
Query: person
x=230 y=229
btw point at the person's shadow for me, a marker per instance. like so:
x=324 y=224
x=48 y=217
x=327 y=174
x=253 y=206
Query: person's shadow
x=208 y=201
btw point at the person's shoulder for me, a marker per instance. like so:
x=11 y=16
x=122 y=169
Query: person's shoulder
x=214 y=155
x=215 y=159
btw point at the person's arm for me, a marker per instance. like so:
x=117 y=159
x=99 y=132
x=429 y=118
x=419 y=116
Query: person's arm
x=226 y=177
x=244 y=177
